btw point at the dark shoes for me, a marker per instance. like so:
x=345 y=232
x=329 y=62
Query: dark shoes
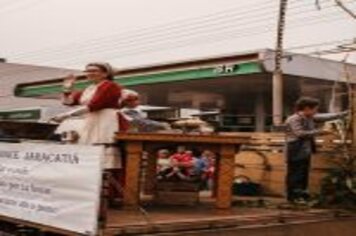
x=299 y=197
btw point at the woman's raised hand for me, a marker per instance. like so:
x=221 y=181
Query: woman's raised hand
x=68 y=82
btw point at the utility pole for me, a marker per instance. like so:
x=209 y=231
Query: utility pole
x=277 y=81
x=353 y=87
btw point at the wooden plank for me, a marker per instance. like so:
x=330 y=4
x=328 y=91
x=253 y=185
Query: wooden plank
x=41 y=227
x=254 y=139
x=150 y=170
x=132 y=174
x=176 y=198
x=181 y=186
x=323 y=161
x=273 y=182
x=264 y=160
x=225 y=176
x=260 y=158
x=253 y=165
x=185 y=138
x=259 y=175
x=274 y=189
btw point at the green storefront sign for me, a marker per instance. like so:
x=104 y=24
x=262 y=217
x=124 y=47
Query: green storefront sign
x=215 y=72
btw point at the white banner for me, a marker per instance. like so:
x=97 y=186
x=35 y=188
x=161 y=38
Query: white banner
x=51 y=184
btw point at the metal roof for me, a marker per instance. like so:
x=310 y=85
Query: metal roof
x=310 y=67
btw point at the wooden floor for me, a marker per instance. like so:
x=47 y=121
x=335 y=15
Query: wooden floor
x=244 y=219
x=204 y=219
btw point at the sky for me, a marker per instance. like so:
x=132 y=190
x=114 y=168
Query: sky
x=129 y=33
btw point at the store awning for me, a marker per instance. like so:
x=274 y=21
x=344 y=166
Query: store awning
x=212 y=72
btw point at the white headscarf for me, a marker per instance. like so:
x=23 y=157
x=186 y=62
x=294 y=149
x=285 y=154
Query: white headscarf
x=127 y=93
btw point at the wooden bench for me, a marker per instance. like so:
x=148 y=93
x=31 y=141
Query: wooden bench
x=135 y=143
x=177 y=193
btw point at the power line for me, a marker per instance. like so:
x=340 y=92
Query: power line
x=188 y=26
x=167 y=46
x=339 y=43
x=22 y=6
x=168 y=26
x=346 y=41
x=5 y=3
x=336 y=50
x=11 y=3
x=327 y=43
x=342 y=42
x=134 y=41
x=206 y=39
x=244 y=31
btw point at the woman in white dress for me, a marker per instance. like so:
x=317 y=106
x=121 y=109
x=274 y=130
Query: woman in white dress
x=98 y=105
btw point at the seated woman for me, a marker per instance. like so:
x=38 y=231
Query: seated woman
x=137 y=119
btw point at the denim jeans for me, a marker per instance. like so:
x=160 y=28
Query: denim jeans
x=298 y=167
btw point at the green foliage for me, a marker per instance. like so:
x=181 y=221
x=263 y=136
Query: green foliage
x=338 y=188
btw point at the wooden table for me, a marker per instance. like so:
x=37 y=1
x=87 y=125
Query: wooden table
x=136 y=143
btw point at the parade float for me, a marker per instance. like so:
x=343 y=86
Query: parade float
x=53 y=185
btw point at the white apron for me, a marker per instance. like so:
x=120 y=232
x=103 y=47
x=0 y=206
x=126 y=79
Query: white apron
x=99 y=127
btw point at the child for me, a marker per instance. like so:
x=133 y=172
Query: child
x=164 y=166
x=210 y=171
x=202 y=166
x=300 y=137
x=182 y=162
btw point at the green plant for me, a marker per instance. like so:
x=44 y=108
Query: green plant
x=338 y=188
